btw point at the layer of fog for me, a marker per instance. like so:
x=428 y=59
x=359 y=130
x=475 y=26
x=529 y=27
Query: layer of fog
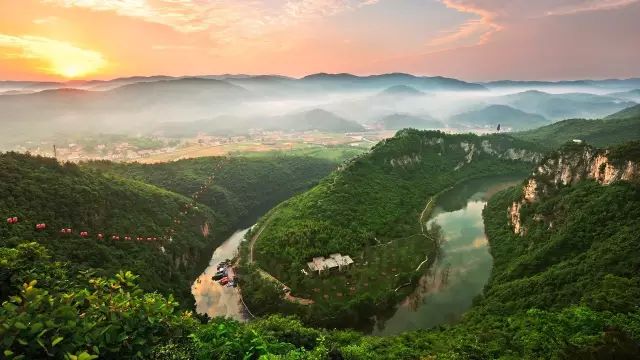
x=27 y=113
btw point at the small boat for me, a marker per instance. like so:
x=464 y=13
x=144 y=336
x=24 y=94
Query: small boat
x=224 y=281
x=218 y=276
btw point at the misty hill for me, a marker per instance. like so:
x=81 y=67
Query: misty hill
x=604 y=132
x=562 y=106
x=401 y=90
x=577 y=85
x=129 y=108
x=349 y=81
x=191 y=90
x=400 y=121
x=630 y=112
x=631 y=95
x=316 y=119
x=269 y=85
x=506 y=116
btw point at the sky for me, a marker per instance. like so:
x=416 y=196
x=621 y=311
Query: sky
x=475 y=40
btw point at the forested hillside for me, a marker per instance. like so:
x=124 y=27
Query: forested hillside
x=372 y=209
x=614 y=129
x=106 y=199
x=243 y=188
x=39 y=190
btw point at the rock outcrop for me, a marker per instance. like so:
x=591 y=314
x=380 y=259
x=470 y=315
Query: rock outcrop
x=567 y=167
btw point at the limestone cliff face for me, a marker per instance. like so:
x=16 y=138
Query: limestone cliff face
x=471 y=150
x=568 y=167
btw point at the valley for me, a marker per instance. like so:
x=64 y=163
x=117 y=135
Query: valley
x=319 y=180
x=434 y=196
x=409 y=243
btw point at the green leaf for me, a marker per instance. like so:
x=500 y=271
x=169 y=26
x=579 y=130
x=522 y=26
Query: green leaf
x=19 y=325
x=56 y=340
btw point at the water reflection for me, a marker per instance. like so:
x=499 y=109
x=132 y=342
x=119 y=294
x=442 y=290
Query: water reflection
x=212 y=298
x=462 y=267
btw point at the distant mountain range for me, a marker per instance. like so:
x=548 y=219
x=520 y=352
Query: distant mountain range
x=630 y=83
x=492 y=115
x=563 y=106
x=631 y=95
x=325 y=79
x=234 y=103
x=311 y=82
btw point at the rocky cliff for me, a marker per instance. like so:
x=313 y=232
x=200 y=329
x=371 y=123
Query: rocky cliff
x=574 y=163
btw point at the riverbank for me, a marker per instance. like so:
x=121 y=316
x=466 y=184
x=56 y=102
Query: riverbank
x=463 y=264
x=210 y=297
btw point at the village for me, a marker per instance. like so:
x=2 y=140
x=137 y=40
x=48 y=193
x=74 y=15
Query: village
x=151 y=149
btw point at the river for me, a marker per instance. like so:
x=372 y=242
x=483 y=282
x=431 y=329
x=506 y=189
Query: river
x=212 y=298
x=463 y=265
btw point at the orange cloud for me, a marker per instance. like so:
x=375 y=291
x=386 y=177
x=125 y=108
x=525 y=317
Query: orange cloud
x=55 y=57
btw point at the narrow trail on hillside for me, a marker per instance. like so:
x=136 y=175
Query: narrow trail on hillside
x=269 y=277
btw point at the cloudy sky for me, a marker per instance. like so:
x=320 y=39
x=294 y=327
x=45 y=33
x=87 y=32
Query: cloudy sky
x=469 y=39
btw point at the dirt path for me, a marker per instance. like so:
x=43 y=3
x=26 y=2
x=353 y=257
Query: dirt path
x=269 y=277
x=421 y=218
x=255 y=237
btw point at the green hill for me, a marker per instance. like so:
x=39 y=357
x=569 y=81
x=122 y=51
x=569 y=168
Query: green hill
x=243 y=188
x=567 y=288
x=316 y=119
x=630 y=112
x=121 y=199
x=609 y=131
x=376 y=199
x=401 y=90
x=506 y=116
x=39 y=190
x=564 y=105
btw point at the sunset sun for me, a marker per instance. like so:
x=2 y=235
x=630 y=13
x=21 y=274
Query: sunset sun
x=72 y=71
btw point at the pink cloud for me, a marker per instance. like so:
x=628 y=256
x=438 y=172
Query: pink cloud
x=495 y=15
x=540 y=40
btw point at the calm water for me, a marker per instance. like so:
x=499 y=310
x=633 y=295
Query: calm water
x=212 y=298
x=462 y=267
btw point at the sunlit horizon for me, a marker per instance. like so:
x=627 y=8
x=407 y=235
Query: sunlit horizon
x=53 y=40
